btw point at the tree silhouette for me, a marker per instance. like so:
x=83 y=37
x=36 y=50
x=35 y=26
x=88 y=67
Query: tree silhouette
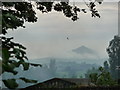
x=114 y=57
x=14 y=15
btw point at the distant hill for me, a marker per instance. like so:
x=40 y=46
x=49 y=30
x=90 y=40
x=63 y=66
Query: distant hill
x=84 y=50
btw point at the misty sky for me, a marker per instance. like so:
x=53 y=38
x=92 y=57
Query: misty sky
x=48 y=36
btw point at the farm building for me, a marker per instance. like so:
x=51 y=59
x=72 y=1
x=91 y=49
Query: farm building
x=61 y=83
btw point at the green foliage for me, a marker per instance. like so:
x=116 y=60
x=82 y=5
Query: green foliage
x=12 y=19
x=93 y=10
x=67 y=9
x=12 y=50
x=93 y=77
x=10 y=83
x=9 y=51
x=102 y=79
x=113 y=51
x=109 y=73
x=24 y=12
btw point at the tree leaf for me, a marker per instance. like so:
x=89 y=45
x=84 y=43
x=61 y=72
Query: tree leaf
x=10 y=83
x=9 y=68
x=25 y=65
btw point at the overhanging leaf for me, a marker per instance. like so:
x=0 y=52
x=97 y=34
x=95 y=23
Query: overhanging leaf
x=9 y=68
x=25 y=65
x=10 y=83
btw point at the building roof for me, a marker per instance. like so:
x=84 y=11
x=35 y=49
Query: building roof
x=77 y=81
x=69 y=81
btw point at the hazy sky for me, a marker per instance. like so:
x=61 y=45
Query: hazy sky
x=48 y=36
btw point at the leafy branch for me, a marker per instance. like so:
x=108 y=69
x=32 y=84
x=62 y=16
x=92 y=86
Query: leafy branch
x=12 y=84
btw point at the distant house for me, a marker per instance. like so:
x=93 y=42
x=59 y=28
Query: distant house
x=60 y=83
